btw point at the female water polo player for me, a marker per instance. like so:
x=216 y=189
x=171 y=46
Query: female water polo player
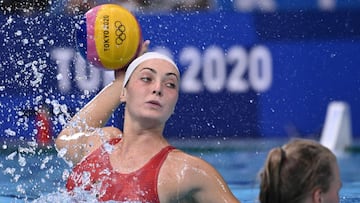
x=302 y=171
x=138 y=164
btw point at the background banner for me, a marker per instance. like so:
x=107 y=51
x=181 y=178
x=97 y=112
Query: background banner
x=243 y=74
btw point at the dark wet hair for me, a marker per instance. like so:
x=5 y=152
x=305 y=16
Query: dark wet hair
x=294 y=171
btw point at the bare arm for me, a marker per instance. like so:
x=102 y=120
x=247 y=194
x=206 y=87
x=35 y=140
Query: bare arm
x=213 y=187
x=209 y=185
x=85 y=131
x=192 y=180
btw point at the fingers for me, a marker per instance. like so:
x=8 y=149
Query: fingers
x=120 y=73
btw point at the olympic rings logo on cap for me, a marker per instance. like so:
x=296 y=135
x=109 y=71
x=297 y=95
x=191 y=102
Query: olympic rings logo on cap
x=120 y=33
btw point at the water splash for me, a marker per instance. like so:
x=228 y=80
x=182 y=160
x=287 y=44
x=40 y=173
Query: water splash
x=78 y=196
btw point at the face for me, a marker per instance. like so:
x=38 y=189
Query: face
x=152 y=91
x=332 y=195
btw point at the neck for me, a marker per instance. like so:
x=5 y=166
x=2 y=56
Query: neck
x=135 y=149
x=135 y=134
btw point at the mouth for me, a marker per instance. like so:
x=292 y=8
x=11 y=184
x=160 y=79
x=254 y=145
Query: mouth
x=154 y=103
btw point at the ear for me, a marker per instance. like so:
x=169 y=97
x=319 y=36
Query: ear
x=123 y=95
x=317 y=195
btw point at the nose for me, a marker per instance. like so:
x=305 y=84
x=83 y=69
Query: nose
x=157 y=89
x=156 y=92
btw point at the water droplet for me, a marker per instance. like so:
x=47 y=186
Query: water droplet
x=10 y=171
x=11 y=156
x=25 y=41
x=20 y=189
x=21 y=160
x=108 y=147
x=59 y=76
x=65 y=174
x=16 y=178
x=62 y=152
x=10 y=132
x=20 y=62
x=45 y=161
x=18 y=33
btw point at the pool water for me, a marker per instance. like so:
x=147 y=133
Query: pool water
x=32 y=174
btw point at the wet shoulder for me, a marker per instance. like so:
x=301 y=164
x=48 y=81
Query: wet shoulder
x=181 y=161
x=184 y=174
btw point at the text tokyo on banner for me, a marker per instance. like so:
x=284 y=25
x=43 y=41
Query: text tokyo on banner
x=242 y=76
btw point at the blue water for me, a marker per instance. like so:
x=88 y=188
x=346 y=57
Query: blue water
x=32 y=174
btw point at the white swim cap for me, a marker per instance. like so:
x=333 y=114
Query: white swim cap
x=149 y=55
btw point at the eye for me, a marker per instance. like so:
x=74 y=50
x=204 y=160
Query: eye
x=171 y=85
x=145 y=79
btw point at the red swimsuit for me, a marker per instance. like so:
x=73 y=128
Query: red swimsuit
x=95 y=172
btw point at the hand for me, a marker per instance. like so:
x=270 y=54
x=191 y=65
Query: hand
x=120 y=73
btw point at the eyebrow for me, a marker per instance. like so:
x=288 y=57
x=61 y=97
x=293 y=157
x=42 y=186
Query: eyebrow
x=154 y=71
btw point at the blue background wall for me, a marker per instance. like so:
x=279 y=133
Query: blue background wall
x=243 y=74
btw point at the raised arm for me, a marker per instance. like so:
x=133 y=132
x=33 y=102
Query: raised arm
x=85 y=131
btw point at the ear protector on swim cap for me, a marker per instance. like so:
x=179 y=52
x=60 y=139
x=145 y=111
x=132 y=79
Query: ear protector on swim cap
x=147 y=56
